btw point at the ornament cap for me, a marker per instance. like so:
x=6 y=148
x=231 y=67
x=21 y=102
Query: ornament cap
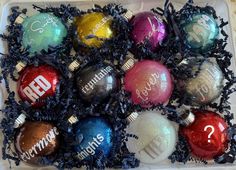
x=188 y=118
x=128 y=14
x=183 y=62
x=20 y=120
x=20 y=19
x=20 y=66
x=73 y=119
x=129 y=63
x=74 y=65
x=132 y=117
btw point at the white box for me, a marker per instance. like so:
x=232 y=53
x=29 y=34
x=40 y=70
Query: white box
x=136 y=6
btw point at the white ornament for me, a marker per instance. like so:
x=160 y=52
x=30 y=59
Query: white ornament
x=156 y=137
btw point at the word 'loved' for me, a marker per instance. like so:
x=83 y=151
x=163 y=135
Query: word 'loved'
x=37 y=88
x=150 y=84
x=40 y=145
x=91 y=148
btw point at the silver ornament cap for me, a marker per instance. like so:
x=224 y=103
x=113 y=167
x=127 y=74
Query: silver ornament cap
x=20 y=19
x=20 y=120
x=20 y=66
x=129 y=62
x=74 y=65
x=73 y=119
x=187 y=118
x=128 y=15
x=132 y=117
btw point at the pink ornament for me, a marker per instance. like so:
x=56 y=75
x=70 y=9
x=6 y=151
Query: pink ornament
x=149 y=83
x=148 y=26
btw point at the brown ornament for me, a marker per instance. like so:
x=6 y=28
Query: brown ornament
x=36 y=140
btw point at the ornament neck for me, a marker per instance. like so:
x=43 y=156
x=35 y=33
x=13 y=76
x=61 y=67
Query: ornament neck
x=73 y=119
x=129 y=62
x=20 y=120
x=20 y=19
x=74 y=65
x=128 y=15
x=132 y=117
x=187 y=118
x=20 y=66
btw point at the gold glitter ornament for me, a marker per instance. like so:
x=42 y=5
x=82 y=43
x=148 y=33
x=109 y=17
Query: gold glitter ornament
x=93 y=29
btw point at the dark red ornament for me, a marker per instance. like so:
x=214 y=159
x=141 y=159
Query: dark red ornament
x=207 y=135
x=37 y=83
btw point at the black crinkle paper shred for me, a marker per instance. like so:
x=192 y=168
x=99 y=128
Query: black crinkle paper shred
x=116 y=108
x=64 y=104
x=223 y=58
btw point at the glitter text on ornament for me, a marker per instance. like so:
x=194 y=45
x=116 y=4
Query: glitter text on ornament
x=152 y=82
x=90 y=85
x=33 y=91
x=198 y=31
x=212 y=130
x=100 y=24
x=203 y=89
x=154 y=148
x=154 y=29
x=40 y=145
x=38 y=26
x=90 y=149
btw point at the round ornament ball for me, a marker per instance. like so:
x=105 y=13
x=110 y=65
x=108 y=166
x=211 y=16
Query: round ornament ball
x=149 y=82
x=147 y=26
x=95 y=83
x=206 y=85
x=41 y=31
x=207 y=135
x=36 y=140
x=96 y=136
x=156 y=137
x=92 y=29
x=201 y=31
x=37 y=83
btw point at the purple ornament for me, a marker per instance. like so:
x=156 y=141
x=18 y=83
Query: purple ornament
x=148 y=26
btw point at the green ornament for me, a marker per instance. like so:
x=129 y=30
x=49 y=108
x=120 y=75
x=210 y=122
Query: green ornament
x=201 y=32
x=41 y=31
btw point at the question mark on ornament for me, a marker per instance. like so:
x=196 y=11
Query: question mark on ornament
x=212 y=131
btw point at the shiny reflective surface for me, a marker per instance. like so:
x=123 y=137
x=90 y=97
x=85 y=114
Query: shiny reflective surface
x=41 y=31
x=201 y=32
x=207 y=85
x=35 y=140
x=156 y=137
x=37 y=83
x=148 y=26
x=96 y=137
x=93 y=28
x=95 y=83
x=207 y=136
x=149 y=82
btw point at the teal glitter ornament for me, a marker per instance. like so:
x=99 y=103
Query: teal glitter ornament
x=201 y=31
x=41 y=31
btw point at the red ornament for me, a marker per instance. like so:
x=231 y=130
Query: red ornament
x=207 y=135
x=37 y=83
x=149 y=82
